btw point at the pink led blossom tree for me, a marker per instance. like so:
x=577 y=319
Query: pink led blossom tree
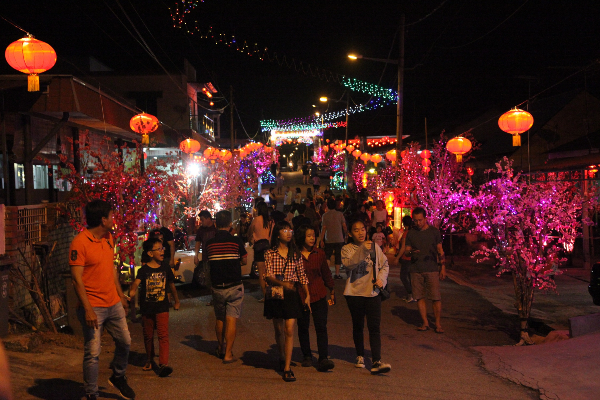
x=527 y=225
x=444 y=191
x=113 y=174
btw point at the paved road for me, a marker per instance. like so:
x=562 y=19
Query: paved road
x=425 y=365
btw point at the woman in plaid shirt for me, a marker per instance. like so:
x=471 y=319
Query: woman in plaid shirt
x=284 y=268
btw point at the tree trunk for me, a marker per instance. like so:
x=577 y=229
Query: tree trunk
x=524 y=300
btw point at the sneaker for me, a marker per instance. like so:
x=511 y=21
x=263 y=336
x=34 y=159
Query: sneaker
x=360 y=362
x=121 y=385
x=164 y=370
x=325 y=365
x=380 y=367
x=307 y=362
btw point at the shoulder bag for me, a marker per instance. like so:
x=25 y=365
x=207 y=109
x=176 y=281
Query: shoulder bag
x=383 y=292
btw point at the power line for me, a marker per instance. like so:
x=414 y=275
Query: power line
x=490 y=31
x=428 y=15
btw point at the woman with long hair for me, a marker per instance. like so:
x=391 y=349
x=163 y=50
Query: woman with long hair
x=320 y=283
x=259 y=233
x=283 y=267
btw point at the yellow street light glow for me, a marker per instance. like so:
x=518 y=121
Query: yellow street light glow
x=372 y=171
x=352 y=56
x=318 y=114
x=323 y=99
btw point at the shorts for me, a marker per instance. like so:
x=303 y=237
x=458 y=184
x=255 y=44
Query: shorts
x=425 y=285
x=335 y=249
x=288 y=308
x=228 y=302
x=259 y=256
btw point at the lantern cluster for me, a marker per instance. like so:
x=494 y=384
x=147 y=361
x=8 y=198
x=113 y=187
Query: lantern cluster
x=459 y=146
x=515 y=122
x=426 y=155
x=30 y=56
x=389 y=202
x=249 y=148
x=384 y=141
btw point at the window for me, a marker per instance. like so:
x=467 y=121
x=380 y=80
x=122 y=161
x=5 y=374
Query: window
x=19 y=176
x=40 y=177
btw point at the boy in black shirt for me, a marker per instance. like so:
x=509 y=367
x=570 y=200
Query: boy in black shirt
x=152 y=279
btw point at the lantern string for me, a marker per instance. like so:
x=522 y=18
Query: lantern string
x=15 y=25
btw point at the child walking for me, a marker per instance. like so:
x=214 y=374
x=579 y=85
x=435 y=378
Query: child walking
x=152 y=279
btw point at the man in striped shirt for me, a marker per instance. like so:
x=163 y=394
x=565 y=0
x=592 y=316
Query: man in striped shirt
x=226 y=255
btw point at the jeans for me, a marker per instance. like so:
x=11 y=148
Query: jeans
x=319 y=313
x=370 y=307
x=405 y=275
x=113 y=319
x=160 y=323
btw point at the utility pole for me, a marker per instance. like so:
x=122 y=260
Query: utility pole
x=231 y=118
x=399 y=106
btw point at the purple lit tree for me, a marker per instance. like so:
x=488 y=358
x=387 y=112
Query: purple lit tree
x=444 y=191
x=528 y=226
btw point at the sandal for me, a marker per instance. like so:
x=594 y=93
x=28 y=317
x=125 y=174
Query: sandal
x=288 y=376
x=147 y=366
x=439 y=330
x=423 y=328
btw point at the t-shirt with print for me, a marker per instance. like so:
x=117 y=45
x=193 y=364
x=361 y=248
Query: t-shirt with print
x=426 y=242
x=153 y=289
x=96 y=257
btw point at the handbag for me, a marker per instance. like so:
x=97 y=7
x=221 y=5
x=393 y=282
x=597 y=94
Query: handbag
x=384 y=293
x=276 y=292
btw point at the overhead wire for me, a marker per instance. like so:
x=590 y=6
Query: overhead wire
x=488 y=32
x=428 y=15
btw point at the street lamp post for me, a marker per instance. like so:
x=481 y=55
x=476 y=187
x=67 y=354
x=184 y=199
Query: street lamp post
x=400 y=102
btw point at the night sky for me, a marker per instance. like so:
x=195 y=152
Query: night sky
x=463 y=58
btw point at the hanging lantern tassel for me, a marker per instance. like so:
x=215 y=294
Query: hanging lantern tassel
x=516 y=140
x=145 y=140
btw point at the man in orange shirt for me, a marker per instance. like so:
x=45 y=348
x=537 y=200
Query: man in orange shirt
x=102 y=302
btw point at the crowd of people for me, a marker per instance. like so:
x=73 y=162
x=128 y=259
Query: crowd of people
x=292 y=252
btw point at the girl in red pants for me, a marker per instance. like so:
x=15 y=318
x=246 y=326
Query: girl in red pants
x=152 y=279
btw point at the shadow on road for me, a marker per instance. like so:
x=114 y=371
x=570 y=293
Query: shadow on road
x=260 y=359
x=62 y=389
x=198 y=343
x=408 y=315
x=137 y=359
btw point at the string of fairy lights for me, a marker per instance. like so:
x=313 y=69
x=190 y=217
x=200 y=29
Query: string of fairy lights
x=380 y=96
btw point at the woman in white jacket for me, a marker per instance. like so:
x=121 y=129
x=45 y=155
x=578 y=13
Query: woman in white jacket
x=359 y=257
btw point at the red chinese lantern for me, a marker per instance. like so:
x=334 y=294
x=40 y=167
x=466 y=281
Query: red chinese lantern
x=459 y=146
x=425 y=154
x=426 y=162
x=515 y=122
x=224 y=155
x=144 y=124
x=325 y=149
x=426 y=170
x=356 y=153
x=376 y=158
x=365 y=157
x=189 y=146
x=30 y=56
x=470 y=171
x=391 y=155
x=350 y=148
x=211 y=154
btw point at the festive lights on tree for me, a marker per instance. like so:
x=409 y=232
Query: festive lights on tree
x=527 y=226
